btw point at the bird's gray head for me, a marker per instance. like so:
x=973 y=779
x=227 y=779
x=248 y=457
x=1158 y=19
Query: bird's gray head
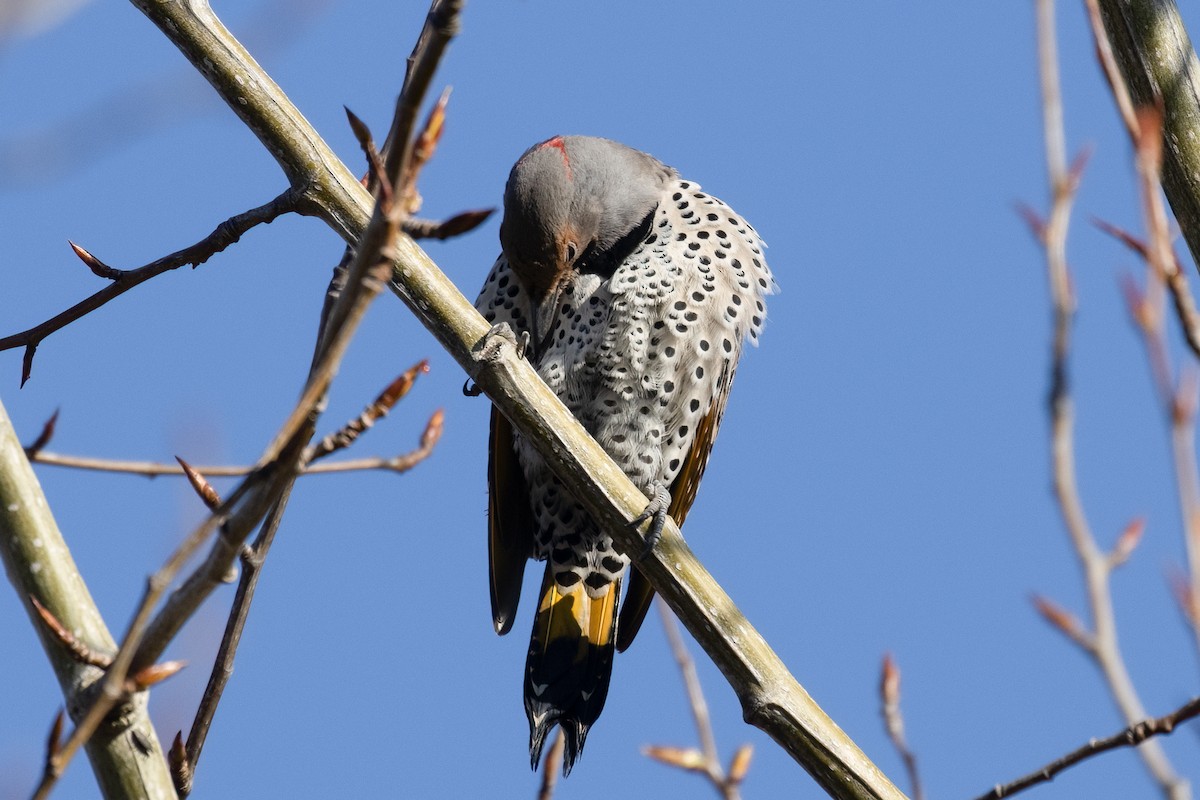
x=571 y=205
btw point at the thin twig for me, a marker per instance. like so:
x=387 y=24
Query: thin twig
x=377 y=409
x=441 y=25
x=223 y=236
x=1145 y=127
x=706 y=760
x=551 y=767
x=252 y=558
x=1132 y=736
x=1112 y=72
x=352 y=288
x=1101 y=642
x=893 y=722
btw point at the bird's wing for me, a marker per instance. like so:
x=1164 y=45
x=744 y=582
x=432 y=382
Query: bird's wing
x=510 y=523
x=510 y=518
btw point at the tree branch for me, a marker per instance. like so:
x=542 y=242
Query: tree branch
x=125 y=754
x=771 y=698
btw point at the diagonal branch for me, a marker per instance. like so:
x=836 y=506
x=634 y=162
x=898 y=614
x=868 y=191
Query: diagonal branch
x=1132 y=736
x=771 y=698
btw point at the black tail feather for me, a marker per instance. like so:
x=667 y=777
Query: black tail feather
x=569 y=666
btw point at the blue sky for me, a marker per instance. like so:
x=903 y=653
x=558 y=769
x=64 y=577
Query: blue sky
x=881 y=482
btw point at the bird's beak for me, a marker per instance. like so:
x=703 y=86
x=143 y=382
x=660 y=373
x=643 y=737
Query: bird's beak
x=546 y=314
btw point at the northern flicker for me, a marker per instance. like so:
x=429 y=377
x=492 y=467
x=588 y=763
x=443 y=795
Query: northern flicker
x=635 y=290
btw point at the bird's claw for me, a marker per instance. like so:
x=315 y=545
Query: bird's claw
x=655 y=511
x=489 y=346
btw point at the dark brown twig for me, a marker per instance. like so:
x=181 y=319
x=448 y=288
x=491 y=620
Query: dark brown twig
x=223 y=236
x=1132 y=736
x=893 y=722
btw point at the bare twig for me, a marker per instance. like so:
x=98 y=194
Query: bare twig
x=224 y=235
x=441 y=25
x=1112 y=72
x=893 y=722
x=1176 y=281
x=378 y=408
x=551 y=767
x=1132 y=736
x=1101 y=642
x=252 y=558
x=704 y=761
x=351 y=290
x=1163 y=267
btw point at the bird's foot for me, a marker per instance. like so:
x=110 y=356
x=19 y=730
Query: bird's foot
x=656 y=512
x=488 y=349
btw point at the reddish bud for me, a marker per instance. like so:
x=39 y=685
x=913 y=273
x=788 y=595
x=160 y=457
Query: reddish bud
x=156 y=673
x=44 y=437
x=54 y=740
x=688 y=758
x=739 y=765
x=203 y=488
x=1127 y=542
x=98 y=267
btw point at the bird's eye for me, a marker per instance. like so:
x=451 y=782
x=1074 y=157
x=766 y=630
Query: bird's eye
x=572 y=251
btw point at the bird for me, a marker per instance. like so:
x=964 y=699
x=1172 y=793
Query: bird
x=632 y=292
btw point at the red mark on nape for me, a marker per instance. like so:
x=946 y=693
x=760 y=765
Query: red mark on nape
x=559 y=144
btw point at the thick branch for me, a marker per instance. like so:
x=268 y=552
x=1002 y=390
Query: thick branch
x=771 y=698
x=124 y=753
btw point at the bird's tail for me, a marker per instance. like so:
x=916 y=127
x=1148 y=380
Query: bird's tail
x=569 y=664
